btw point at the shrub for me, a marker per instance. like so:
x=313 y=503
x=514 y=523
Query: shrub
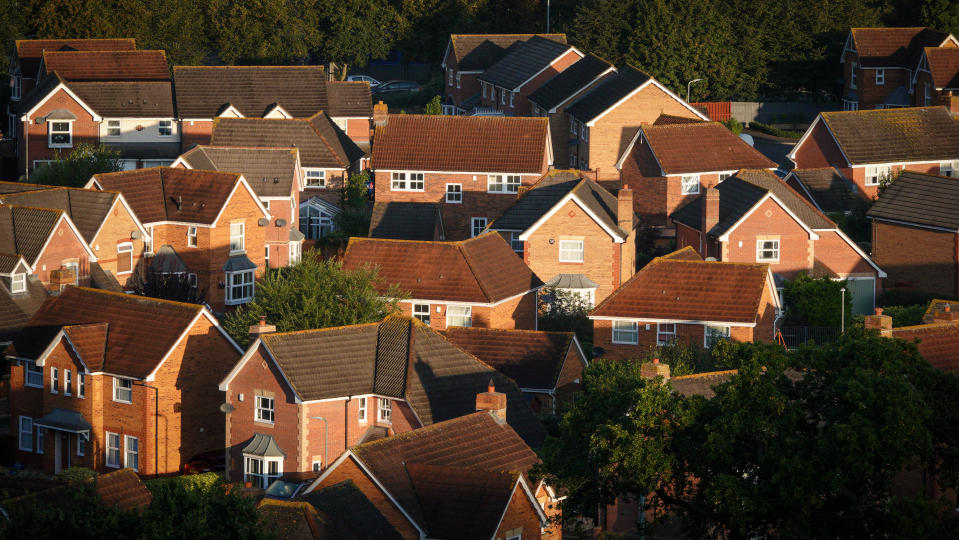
x=770 y=130
x=816 y=302
x=905 y=315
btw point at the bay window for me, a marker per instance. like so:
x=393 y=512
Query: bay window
x=261 y=471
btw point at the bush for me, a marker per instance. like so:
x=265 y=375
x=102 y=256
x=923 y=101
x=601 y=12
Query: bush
x=562 y=311
x=770 y=130
x=76 y=474
x=816 y=302
x=734 y=125
x=905 y=315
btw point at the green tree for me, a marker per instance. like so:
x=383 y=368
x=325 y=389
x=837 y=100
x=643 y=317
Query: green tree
x=434 y=106
x=78 y=167
x=174 y=287
x=565 y=311
x=314 y=294
x=354 y=216
x=942 y=15
x=816 y=302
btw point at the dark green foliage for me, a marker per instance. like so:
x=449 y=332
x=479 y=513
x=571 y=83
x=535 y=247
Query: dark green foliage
x=174 y=287
x=855 y=224
x=734 y=125
x=354 y=219
x=905 y=315
x=941 y=15
x=774 y=131
x=77 y=167
x=76 y=474
x=562 y=311
x=816 y=302
x=904 y=297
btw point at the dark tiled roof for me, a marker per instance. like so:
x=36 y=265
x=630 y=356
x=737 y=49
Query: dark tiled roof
x=523 y=61
x=701 y=384
x=124 y=490
x=271 y=172
x=292 y=520
x=689 y=291
x=826 y=188
x=571 y=281
x=140 y=99
x=88 y=209
x=44 y=86
x=17 y=309
x=893 y=47
x=532 y=359
x=700 y=147
x=320 y=142
x=17 y=187
x=25 y=230
x=938 y=343
x=570 y=81
x=684 y=254
x=607 y=93
x=944 y=67
x=892 y=135
x=357 y=516
x=90 y=342
x=477 y=52
x=137 y=65
x=669 y=119
x=924 y=199
x=33 y=48
x=482 y=269
x=461 y=143
x=154 y=194
x=406 y=220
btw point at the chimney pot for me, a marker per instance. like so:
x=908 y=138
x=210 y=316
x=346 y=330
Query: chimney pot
x=493 y=402
x=946 y=315
x=651 y=370
x=260 y=329
x=655 y=360
x=381 y=114
x=947 y=309
x=880 y=322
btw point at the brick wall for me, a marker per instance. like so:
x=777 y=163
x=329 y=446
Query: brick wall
x=818 y=150
x=85 y=130
x=858 y=175
x=691 y=334
x=520 y=518
x=570 y=377
x=840 y=257
x=116 y=229
x=194 y=132
x=768 y=221
x=518 y=313
x=687 y=236
x=559 y=129
x=65 y=246
x=914 y=257
x=872 y=94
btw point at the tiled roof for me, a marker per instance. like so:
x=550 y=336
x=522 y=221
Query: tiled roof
x=17 y=309
x=532 y=359
x=353 y=512
x=701 y=384
x=937 y=305
x=684 y=254
x=172 y=194
x=136 y=99
x=893 y=135
x=938 y=343
x=123 y=489
x=700 y=147
x=570 y=81
x=320 y=142
x=25 y=230
x=482 y=269
x=76 y=66
x=17 y=187
x=477 y=52
x=88 y=209
x=291 y=520
x=302 y=91
x=944 y=67
x=33 y=48
x=924 y=199
x=271 y=172
x=406 y=220
x=461 y=143
x=607 y=93
x=89 y=342
x=133 y=348
x=685 y=290
x=826 y=188
x=523 y=61
x=894 y=47
x=669 y=119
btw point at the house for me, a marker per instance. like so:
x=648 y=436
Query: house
x=276 y=176
x=477 y=282
x=204 y=93
x=568 y=227
x=550 y=100
x=469 y=55
x=680 y=297
x=547 y=366
x=827 y=189
x=506 y=85
x=351 y=514
x=327 y=156
x=604 y=120
x=915 y=233
x=668 y=165
x=108 y=380
x=462 y=478
x=756 y=217
x=380 y=379
x=44 y=244
x=871 y=147
x=937 y=78
x=472 y=166
x=407 y=221
x=879 y=63
x=209 y=226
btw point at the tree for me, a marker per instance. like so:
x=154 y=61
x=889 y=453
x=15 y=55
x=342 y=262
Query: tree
x=817 y=302
x=354 y=218
x=174 y=287
x=942 y=15
x=78 y=167
x=565 y=311
x=434 y=106
x=314 y=294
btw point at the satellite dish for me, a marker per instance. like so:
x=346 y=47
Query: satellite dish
x=226 y=408
x=280 y=222
x=135 y=234
x=263 y=222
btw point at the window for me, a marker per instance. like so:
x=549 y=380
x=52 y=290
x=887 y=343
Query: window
x=584 y=132
x=361 y=415
x=880 y=77
x=626 y=332
x=295 y=250
x=512 y=98
x=767 y=250
x=422 y=312
x=946 y=168
x=191 y=279
x=264 y=409
x=572 y=127
x=61 y=134
x=165 y=128
x=122 y=390
x=385 y=410
x=239 y=287
x=124 y=258
x=148 y=242
x=237 y=237
x=690 y=185
x=75 y=267
x=454 y=193
x=477 y=226
x=315 y=177
x=502 y=96
x=571 y=251
x=850 y=105
x=459 y=316
x=715 y=333
x=314 y=222
x=503 y=183
x=131 y=459
x=191 y=235
x=458 y=79
x=261 y=471
x=18 y=282
x=113 y=450
x=874 y=175
x=81 y=445
x=515 y=242
x=852 y=74
x=665 y=333
x=483 y=86
x=26 y=434
x=33 y=375
x=67 y=382
x=725 y=175
x=407 y=181
x=40 y=437
x=16 y=88
x=266 y=256
x=81 y=384
x=927 y=90
x=317 y=465
x=449 y=77
x=113 y=128
x=54 y=380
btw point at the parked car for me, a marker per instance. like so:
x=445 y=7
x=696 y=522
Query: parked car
x=365 y=78
x=393 y=87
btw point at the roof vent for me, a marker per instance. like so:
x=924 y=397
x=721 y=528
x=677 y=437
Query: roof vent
x=276 y=180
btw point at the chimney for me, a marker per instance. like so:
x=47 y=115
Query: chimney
x=880 y=322
x=493 y=402
x=651 y=370
x=381 y=114
x=261 y=328
x=624 y=209
x=710 y=209
x=60 y=279
x=947 y=315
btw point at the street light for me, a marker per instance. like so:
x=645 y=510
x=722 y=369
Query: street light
x=688 y=85
x=326 y=437
x=842 y=307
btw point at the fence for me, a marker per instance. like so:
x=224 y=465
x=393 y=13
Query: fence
x=788 y=114
x=795 y=336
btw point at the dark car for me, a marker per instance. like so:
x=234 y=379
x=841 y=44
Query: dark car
x=393 y=87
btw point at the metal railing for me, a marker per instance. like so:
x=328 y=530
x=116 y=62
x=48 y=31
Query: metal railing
x=794 y=336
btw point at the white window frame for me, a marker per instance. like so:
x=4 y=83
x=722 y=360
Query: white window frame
x=191 y=279
x=477 y=226
x=449 y=77
x=690 y=184
x=125 y=249
x=107 y=448
x=512 y=99
x=850 y=105
x=315 y=226
x=761 y=247
x=54 y=380
x=81 y=445
x=422 y=312
x=459 y=81
x=191 y=236
x=949 y=168
x=572 y=126
x=406 y=180
x=361 y=410
x=236 y=292
x=18 y=282
x=853 y=77
x=880 y=77
x=67 y=382
x=455 y=195
x=314 y=178
x=266 y=256
x=713 y=334
x=30 y=368
x=81 y=384
x=117 y=389
x=237 y=239
x=568 y=250
x=26 y=435
x=263 y=477
x=148 y=242
x=515 y=242
x=317 y=465
x=264 y=410
x=625 y=332
x=165 y=125
x=723 y=176
x=384 y=410
x=75 y=266
x=502 y=96
x=503 y=183
x=875 y=174
x=16 y=88
x=51 y=132
x=295 y=253
x=661 y=333
x=463 y=315
x=41 y=437
x=127 y=459
x=584 y=132
x=113 y=124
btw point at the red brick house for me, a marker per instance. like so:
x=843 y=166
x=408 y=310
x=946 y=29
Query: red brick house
x=204 y=93
x=207 y=225
x=879 y=63
x=25 y=60
x=506 y=85
x=469 y=55
x=756 y=217
x=472 y=166
x=477 y=282
x=827 y=189
x=547 y=366
x=397 y=375
x=869 y=147
x=51 y=247
x=604 y=120
x=668 y=165
x=937 y=78
x=93 y=385
x=574 y=233
x=680 y=297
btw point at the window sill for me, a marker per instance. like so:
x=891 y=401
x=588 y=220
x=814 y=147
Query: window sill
x=40 y=386
x=237 y=252
x=624 y=343
x=264 y=423
x=125 y=273
x=112 y=466
x=239 y=302
x=122 y=401
x=454 y=202
x=60 y=145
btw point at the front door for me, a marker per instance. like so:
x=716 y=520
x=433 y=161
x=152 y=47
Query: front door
x=61 y=459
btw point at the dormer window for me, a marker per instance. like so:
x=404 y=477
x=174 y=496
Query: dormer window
x=18 y=283
x=60 y=134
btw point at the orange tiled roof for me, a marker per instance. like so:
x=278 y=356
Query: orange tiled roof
x=938 y=343
x=33 y=48
x=944 y=67
x=123 y=489
x=700 y=147
x=894 y=47
x=108 y=65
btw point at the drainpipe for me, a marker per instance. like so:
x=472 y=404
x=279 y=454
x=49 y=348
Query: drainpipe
x=156 y=426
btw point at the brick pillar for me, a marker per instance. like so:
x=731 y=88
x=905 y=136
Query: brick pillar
x=380 y=114
x=880 y=322
x=492 y=401
x=651 y=370
x=710 y=209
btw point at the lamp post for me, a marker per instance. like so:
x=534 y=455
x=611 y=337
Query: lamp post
x=842 y=307
x=326 y=438
x=547 y=16
x=689 y=85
